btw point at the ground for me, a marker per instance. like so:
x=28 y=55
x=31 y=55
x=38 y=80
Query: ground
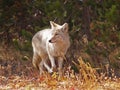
x=19 y=74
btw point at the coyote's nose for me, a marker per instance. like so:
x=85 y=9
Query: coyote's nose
x=50 y=41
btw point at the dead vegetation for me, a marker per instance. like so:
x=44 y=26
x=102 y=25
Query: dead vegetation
x=20 y=75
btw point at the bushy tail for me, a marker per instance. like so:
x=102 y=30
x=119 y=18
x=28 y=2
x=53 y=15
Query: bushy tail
x=36 y=61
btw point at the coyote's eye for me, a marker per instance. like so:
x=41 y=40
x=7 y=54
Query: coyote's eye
x=56 y=34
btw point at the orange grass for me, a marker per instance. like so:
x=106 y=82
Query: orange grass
x=86 y=79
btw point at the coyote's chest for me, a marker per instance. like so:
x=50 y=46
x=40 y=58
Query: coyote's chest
x=57 y=49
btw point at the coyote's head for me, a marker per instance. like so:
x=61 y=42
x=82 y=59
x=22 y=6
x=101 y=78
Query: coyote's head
x=59 y=32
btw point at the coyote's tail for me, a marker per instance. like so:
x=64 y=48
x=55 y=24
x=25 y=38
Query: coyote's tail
x=36 y=62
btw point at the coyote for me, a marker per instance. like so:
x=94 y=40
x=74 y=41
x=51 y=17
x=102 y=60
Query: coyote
x=50 y=44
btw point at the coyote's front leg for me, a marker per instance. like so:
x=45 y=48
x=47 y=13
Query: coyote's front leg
x=60 y=65
x=53 y=65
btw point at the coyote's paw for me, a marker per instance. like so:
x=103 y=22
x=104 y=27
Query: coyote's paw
x=50 y=71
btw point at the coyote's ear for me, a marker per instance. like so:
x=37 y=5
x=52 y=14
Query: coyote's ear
x=65 y=27
x=53 y=24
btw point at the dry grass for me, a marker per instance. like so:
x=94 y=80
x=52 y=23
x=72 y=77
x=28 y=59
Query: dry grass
x=16 y=74
x=86 y=79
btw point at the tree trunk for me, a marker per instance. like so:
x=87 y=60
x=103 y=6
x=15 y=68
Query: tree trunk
x=86 y=20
